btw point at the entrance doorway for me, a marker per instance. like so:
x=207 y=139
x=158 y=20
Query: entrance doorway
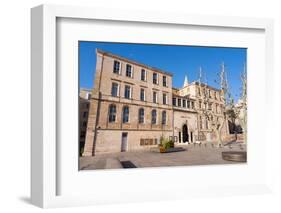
x=185 y=136
x=124 y=142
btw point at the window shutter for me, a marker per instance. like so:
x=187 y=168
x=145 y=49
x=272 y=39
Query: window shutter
x=120 y=68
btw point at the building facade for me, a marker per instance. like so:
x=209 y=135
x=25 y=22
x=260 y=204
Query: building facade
x=133 y=105
x=84 y=106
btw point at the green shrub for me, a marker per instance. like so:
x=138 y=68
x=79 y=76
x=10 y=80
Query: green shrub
x=166 y=143
x=172 y=144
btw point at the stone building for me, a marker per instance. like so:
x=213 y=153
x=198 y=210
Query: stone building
x=133 y=105
x=190 y=124
x=84 y=106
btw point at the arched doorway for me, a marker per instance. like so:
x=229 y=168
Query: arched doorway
x=185 y=136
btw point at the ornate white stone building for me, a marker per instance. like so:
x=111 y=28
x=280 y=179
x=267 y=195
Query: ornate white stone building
x=133 y=105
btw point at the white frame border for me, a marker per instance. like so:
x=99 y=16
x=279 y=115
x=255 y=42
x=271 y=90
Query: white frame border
x=43 y=89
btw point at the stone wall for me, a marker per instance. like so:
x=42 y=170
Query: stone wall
x=109 y=141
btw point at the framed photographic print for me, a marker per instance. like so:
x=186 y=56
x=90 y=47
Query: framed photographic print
x=149 y=106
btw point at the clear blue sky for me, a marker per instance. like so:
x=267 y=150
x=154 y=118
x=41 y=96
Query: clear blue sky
x=179 y=60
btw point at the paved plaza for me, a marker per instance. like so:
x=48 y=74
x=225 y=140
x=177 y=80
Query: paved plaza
x=193 y=155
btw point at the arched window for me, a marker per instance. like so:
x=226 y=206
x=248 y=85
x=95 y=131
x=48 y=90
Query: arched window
x=141 y=115
x=164 y=117
x=153 y=116
x=112 y=113
x=125 y=114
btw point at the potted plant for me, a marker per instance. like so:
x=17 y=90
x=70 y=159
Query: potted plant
x=162 y=147
x=165 y=144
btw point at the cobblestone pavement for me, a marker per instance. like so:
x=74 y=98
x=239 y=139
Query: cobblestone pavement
x=193 y=155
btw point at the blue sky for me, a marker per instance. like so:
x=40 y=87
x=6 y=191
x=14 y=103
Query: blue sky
x=179 y=60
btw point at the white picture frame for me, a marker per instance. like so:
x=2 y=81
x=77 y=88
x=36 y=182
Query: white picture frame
x=45 y=152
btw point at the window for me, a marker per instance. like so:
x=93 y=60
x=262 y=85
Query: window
x=88 y=96
x=179 y=137
x=141 y=115
x=192 y=105
x=174 y=102
x=154 y=97
x=112 y=113
x=179 y=102
x=188 y=103
x=199 y=91
x=127 y=92
x=116 y=67
x=153 y=116
x=184 y=103
x=207 y=126
x=84 y=124
x=164 y=98
x=215 y=94
x=164 y=117
x=142 y=94
x=114 y=89
x=200 y=123
x=200 y=104
x=155 y=78
x=209 y=106
x=129 y=72
x=85 y=114
x=125 y=114
x=164 y=81
x=143 y=75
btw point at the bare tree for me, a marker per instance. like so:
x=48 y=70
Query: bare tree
x=216 y=123
x=242 y=116
x=233 y=113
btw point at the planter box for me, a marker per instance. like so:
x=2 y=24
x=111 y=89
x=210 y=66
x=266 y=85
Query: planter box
x=235 y=156
x=163 y=150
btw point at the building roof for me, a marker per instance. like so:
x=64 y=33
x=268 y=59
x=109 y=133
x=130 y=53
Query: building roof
x=208 y=86
x=86 y=89
x=133 y=62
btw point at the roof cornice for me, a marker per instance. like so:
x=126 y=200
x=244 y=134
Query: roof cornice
x=132 y=62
